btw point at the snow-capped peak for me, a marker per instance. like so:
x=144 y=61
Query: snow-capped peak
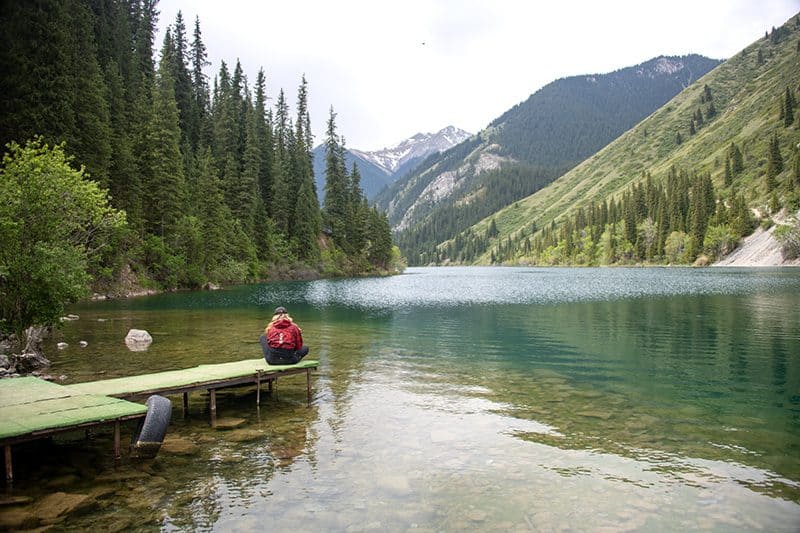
x=415 y=147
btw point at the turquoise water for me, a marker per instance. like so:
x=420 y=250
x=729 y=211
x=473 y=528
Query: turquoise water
x=471 y=398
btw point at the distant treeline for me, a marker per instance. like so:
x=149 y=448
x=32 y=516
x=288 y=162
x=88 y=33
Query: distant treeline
x=217 y=186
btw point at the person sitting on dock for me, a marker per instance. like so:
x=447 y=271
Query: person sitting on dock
x=282 y=340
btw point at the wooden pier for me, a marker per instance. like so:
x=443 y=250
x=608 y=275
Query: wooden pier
x=31 y=408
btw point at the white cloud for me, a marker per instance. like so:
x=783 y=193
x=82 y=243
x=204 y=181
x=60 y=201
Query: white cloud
x=391 y=69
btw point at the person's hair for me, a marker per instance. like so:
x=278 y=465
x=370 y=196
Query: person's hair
x=277 y=317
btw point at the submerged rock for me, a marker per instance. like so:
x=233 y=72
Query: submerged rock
x=229 y=423
x=16 y=519
x=60 y=504
x=179 y=446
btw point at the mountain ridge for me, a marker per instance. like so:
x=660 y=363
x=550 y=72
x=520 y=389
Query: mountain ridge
x=749 y=98
x=528 y=146
x=380 y=168
x=420 y=145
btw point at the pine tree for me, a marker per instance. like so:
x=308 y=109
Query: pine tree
x=774 y=163
x=165 y=189
x=199 y=126
x=179 y=69
x=335 y=205
x=281 y=205
x=728 y=172
x=305 y=231
x=707 y=93
x=788 y=108
x=89 y=140
x=737 y=159
x=212 y=212
x=357 y=208
x=264 y=140
x=306 y=205
x=38 y=84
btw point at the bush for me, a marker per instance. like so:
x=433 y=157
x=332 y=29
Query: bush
x=719 y=241
x=676 y=246
x=789 y=237
x=53 y=223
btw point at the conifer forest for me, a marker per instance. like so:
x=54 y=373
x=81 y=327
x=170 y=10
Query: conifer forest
x=213 y=174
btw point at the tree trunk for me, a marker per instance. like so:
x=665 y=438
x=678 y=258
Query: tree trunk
x=32 y=358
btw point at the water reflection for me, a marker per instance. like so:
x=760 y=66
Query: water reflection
x=493 y=399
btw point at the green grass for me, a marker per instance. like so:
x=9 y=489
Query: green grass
x=746 y=96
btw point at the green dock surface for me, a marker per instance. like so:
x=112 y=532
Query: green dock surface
x=30 y=405
x=177 y=379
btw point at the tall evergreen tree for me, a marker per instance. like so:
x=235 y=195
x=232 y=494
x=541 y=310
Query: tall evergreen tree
x=179 y=69
x=788 y=108
x=336 y=189
x=282 y=205
x=212 y=212
x=263 y=132
x=199 y=130
x=774 y=163
x=165 y=190
x=89 y=140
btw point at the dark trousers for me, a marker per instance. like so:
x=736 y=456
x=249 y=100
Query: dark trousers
x=278 y=356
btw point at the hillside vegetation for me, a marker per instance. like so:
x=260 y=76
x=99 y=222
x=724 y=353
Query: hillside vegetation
x=681 y=186
x=528 y=147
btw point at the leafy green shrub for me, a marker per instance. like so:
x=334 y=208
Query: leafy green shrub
x=53 y=222
x=676 y=246
x=719 y=241
x=789 y=237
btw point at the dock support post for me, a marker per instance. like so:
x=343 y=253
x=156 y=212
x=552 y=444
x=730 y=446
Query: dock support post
x=269 y=382
x=308 y=384
x=258 y=388
x=117 y=453
x=185 y=404
x=213 y=401
x=9 y=469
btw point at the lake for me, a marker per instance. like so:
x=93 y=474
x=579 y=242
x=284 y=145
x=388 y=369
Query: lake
x=461 y=398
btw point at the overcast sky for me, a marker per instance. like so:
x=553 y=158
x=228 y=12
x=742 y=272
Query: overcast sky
x=391 y=69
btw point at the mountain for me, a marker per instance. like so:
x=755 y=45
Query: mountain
x=382 y=167
x=730 y=141
x=373 y=178
x=395 y=160
x=527 y=147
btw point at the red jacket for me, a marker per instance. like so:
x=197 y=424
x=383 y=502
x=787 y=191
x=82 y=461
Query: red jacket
x=284 y=334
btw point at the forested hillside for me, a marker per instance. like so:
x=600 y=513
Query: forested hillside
x=526 y=148
x=216 y=185
x=683 y=186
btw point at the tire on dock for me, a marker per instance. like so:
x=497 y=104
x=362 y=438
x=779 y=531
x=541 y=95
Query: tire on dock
x=152 y=428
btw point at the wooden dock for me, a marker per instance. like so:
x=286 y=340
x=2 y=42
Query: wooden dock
x=203 y=377
x=31 y=408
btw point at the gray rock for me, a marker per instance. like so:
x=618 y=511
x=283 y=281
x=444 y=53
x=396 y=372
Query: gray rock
x=138 y=340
